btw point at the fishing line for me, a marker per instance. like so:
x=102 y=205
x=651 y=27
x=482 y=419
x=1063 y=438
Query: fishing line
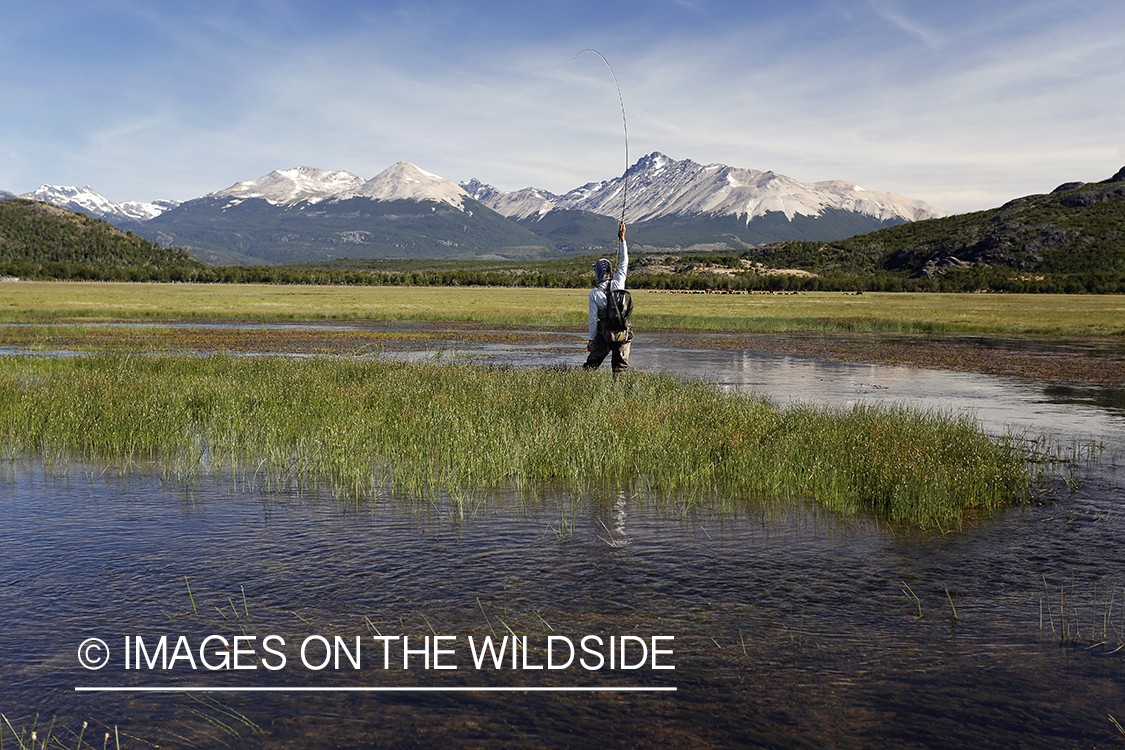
x=624 y=123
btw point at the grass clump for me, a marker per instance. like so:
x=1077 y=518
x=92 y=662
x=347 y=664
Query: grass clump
x=367 y=426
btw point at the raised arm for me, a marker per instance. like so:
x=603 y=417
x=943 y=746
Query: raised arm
x=622 y=267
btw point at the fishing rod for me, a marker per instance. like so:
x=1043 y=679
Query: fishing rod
x=624 y=123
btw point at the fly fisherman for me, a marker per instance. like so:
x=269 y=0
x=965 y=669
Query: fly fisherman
x=599 y=345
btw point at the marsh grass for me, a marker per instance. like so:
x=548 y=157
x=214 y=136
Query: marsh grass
x=369 y=427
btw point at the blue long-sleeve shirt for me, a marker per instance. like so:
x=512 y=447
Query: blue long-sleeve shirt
x=597 y=294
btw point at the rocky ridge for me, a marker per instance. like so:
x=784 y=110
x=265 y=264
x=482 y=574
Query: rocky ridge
x=658 y=187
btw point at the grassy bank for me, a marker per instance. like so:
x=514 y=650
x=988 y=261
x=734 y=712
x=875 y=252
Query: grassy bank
x=366 y=426
x=566 y=308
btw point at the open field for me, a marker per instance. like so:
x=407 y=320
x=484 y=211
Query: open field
x=1072 y=315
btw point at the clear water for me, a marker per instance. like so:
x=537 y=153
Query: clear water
x=792 y=627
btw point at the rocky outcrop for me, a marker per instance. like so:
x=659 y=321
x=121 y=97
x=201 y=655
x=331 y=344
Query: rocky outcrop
x=1099 y=194
x=1024 y=233
x=941 y=266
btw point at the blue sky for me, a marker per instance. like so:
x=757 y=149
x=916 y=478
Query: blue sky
x=964 y=104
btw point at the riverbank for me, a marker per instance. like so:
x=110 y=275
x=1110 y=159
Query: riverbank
x=1090 y=360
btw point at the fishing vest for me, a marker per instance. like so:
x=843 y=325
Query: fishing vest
x=617 y=328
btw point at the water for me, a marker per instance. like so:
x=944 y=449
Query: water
x=790 y=627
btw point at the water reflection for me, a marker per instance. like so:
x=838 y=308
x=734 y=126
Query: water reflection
x=1064 y=413
x=789 y=623
x=998 y=403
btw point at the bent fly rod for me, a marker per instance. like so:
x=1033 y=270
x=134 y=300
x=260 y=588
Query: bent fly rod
x=625 y=190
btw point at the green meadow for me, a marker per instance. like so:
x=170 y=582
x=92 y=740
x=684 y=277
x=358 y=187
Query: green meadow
x=1075 y=315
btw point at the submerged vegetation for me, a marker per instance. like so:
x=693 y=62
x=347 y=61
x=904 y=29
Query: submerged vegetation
x=365 y=427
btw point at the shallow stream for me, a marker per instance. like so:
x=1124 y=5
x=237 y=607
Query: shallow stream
x=787 y=626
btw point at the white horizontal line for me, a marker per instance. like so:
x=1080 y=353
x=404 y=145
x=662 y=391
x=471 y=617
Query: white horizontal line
x=219 y=689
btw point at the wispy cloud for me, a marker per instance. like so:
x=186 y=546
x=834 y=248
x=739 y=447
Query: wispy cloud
x=959 y=104
x=889 y=11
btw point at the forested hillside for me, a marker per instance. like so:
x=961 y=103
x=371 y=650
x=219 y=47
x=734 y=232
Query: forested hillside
x=1069 y=240
x=38 y=240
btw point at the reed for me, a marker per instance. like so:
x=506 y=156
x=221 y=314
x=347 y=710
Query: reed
x=450 y=432
x=951 y=606
x=31 y=738
x=194 y=610
x=1098 y=622
x=909 y=593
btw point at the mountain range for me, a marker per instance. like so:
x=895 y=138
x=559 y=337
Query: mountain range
x=87 y=201
x=1069 y=240
x=659 y=187
x=309 y=214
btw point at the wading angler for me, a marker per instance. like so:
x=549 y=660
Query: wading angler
x=611 y=306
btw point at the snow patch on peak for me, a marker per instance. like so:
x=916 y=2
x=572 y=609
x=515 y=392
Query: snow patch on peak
x=88 y=201
x=405 y=181
x=518 y=205
x=286 y=187
x=431 y=175
x=139 y=211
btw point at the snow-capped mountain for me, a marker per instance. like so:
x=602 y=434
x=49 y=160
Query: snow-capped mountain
x=519 y=204
x=401 y=181
x=88 y=201
x=405 y=182
x=285 y=187
x=282 y=187
x=306 y=213
x=303 y=214
x=659 y=187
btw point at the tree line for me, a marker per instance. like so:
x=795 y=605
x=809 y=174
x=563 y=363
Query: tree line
x=976 y=279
